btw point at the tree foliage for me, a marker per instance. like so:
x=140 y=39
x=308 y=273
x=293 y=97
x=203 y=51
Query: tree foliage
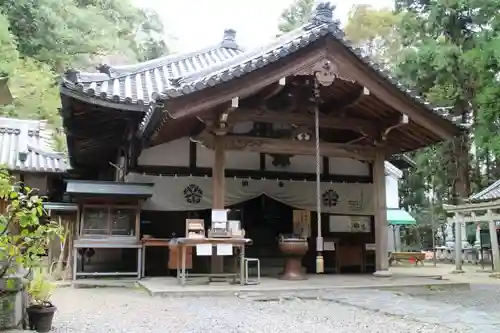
x=297 y=14
x=374 y=31
x=39 y=39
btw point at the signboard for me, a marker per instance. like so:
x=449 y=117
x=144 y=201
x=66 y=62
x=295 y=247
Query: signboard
x=302 y=223
x=341 y=223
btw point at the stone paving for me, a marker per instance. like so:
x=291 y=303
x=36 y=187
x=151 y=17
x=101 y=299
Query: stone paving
x=474 y=310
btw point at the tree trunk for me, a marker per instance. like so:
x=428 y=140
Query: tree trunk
x=461 y=181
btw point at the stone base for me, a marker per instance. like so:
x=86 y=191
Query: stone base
x=382 y=274
x=457 y=271
x=12 y=302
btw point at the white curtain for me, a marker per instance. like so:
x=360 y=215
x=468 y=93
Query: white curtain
x=195 y=193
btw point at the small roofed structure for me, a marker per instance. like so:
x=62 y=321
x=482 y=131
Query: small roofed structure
x=482 y=207
x=26 y=151
x=26 y=146
x=270 y=101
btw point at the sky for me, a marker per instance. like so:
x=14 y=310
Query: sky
x=192 y=24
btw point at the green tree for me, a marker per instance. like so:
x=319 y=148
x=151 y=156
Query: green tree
x=63 y=33
x=448 y=56
x=296 y=15
x=374 y=31
x=36 y=93
x=39 y=39
x=8 y=48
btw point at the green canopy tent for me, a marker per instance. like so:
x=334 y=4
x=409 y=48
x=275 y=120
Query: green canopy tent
x=398 y=217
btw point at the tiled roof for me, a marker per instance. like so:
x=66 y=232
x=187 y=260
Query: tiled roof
x=181 y=74
x=492 y=192
x=135 y=84
x=321 y=24
x=25 y=146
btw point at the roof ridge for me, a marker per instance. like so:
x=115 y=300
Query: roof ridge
x=484 y=191
x=258 y=50
x=41 y=124
x=145 y=66
x=39 y=150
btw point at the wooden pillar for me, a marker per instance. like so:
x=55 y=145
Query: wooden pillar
x=380 y=214
x=495 y=253
x=219 y=191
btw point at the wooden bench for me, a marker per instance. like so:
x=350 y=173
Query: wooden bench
x=418 y=257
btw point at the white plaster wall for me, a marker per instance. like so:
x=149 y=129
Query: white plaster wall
x=347 y=166
x=392 y=177
x=298 y=163
x=175 y=153
x=240 y=160
x=392 y=191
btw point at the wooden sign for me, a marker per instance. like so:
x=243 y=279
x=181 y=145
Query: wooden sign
x=360 y=224
x=302 y=223
x=195 y=228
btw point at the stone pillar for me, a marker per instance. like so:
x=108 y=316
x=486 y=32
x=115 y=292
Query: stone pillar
x=458 y=243
x=494 y=242
x=449 y=238
x=219 y=191
x=463 y=226
x=381 y=226
x=477 y=243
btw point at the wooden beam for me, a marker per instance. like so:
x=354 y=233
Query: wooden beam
x=293 y=147
x=247 y=174
x=363 y=126
x=387 y=92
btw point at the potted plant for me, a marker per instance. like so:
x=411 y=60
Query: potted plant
x=40 y=310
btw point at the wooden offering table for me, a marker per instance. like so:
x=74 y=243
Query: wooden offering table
x=183 y=244
x=173 y=262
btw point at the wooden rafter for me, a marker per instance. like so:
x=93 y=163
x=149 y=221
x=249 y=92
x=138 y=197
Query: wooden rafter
x=293 y=147
x=340 y=107
x=388 y=92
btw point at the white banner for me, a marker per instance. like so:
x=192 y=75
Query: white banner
x=195 y=193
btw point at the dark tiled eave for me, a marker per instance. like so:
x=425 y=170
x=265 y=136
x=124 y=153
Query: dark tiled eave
x=88 y=188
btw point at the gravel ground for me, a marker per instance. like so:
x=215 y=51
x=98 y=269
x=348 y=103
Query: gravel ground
x=127 y=310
